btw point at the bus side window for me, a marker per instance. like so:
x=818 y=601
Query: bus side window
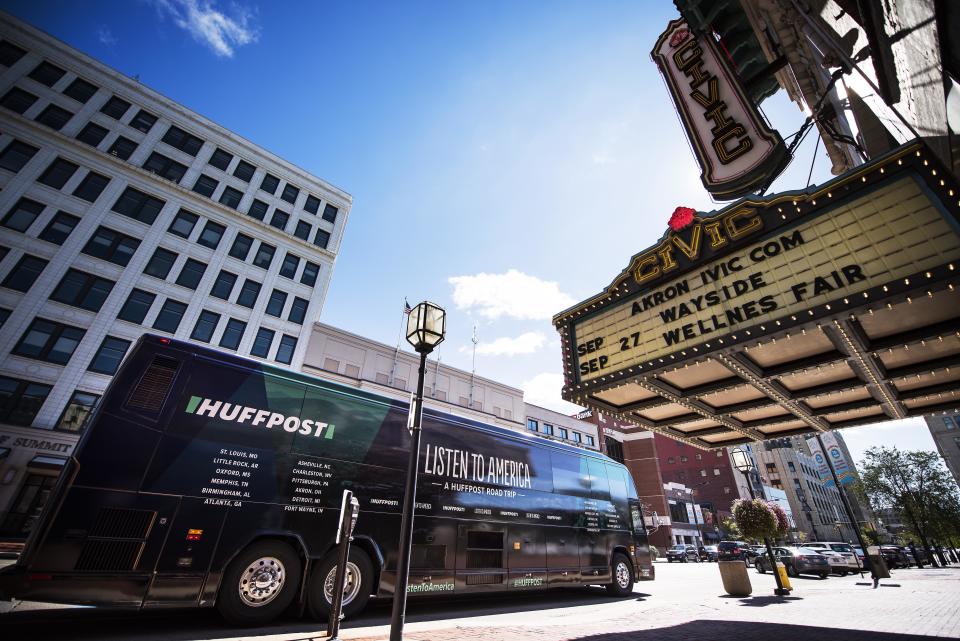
x=570 y=475
x=618 y=484
x=599 y=485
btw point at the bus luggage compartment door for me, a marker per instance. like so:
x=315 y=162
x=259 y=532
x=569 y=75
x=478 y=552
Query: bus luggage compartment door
x=432 y=557
x=481 y=557
x=594 y=564
x=527 y=557
x=563 y=556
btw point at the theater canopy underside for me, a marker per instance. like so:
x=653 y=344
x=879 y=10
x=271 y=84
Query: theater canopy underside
x=807 y=311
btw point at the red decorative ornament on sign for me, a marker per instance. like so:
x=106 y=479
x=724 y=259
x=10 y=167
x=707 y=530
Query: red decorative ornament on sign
x=682 y=216
x=677 y=39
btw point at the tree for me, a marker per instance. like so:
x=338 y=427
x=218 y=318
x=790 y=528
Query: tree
x=729 y=526
x=918 y=486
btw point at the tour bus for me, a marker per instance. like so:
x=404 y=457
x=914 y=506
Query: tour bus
x=208 y=480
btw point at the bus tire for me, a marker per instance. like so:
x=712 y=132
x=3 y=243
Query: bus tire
x=356 y=593
x=622 y=571
x=260 y=583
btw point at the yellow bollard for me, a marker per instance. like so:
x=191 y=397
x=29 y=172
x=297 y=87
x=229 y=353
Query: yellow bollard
x=784 y=579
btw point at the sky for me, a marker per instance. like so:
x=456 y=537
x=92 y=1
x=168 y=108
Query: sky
x=506 y=159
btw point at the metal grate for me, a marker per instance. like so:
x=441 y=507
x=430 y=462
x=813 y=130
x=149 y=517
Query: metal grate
x=120 y=523
x=107 y=555
x=115 y=541
x=484 y=579
x=152 y=389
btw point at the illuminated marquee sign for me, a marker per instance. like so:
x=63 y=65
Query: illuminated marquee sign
x=736 y=149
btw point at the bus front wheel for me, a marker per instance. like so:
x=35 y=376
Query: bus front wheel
x=622 y=583
x=259 y=583
x=357 y=586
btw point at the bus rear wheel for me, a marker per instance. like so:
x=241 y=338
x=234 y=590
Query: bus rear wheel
x=622 y=583
x=357 y=585
x=259 y=583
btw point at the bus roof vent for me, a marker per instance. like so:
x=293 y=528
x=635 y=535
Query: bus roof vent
x=152 y=389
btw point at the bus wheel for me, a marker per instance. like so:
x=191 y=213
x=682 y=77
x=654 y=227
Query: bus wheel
x=622 y=583
x=259 y=583
x=356 y=589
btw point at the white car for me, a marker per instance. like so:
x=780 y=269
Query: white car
x=838 y=563
x=853 y=564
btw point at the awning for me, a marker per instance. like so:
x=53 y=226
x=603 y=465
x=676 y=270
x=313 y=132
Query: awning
x=47 y=462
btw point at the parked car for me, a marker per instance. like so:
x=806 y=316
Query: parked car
x=838 y=563
x=895 y=556
x=735 y=551
x=683 y=553
x=710 y=553
x=854 y=562
x=797 y=561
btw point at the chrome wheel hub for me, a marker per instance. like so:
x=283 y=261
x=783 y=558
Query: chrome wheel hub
x=262 y=581
x=351 y=583
x=623 y=575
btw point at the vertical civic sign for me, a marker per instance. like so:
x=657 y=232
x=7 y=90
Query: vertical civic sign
x=840 y=464
x=737 y=151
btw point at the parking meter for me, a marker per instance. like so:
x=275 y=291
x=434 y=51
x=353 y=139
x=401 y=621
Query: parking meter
x=349 y=511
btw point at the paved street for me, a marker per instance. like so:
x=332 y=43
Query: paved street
x=685 y=602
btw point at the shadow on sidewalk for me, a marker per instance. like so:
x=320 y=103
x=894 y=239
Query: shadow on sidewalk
x=741 y=631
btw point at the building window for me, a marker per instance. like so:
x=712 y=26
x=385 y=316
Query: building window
x=286 y=348
x=791 y=467
x=24 y=273
x=726 y=490
x=183 y=223
x=10 y=53
x=191 y=273
x=48 y=341
x=322 y=238
x=93 y=134
x=244 y=171
x=80 y=90
x=309 y=275
x=562 y=433
x=232 y=334
x=223 y=286
x=716 y=471
x=248 y=293
x=77 y=411
x=548 y=429
x=264 y=255
x=258 y=209
x=4 y=315
x=22 y=214
x=137 y=306
x=205 y=185
x=303 y=230
x=330 y=213
x=91 y=187
x=143 y=121
x=168 y=320
x=108 y=358
x=54 y=117
x=699 y=456
x=312 y=204
x=241 y=247
x=589 y=440
x=82 y=290
x=58 y=173
x=17 y=100
x=59 y=228
x=205 y=327
x=279 y=219
x=160 y=263
x=16 y=155
x=180 y=139
x=533 y=425
x=703 y=472
x=269 y=184
x=719 y=453
x=165 y=167
x=670 y=460
x=298 y=311
x=138 y=205
x=115 y=107
x=290 y=193
x=577 y=437
x=20 y=401
x=276 y=303
x=261 y=344
x=46 y=73
x=221 y=159
x=288 y=269
x=112 y=246
x=211 y=234
x=122 y=148
x=231 y=197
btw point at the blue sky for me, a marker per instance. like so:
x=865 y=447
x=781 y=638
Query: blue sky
x=505 y=158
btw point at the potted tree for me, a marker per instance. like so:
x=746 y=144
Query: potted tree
x=761 y=520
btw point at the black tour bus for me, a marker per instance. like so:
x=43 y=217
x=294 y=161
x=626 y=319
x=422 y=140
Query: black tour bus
x=204 y=479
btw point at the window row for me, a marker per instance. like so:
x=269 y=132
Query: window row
x=53 y=342
x=535 y=425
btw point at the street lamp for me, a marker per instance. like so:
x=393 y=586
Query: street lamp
x=426 y=327
x=741 y=461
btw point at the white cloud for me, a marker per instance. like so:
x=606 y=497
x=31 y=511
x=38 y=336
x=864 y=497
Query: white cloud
x=210 y=26
x=105 y=36
x=513 y=294
x=544 y=390
x=526 y=343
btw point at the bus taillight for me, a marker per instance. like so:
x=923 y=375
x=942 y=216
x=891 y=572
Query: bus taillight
x=194 y=535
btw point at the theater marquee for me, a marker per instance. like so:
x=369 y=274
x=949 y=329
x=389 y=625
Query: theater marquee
x=685 y=339
x=735 y=148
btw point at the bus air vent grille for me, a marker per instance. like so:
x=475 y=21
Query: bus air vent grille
x=121 y=523
x=108 y=555
x=484 y=579
x=152 y=389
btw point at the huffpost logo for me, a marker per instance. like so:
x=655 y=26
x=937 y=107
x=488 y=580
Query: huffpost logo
x=256 y=417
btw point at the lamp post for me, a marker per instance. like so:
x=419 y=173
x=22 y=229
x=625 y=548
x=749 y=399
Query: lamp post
x=741 y=461
x=426 y=326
